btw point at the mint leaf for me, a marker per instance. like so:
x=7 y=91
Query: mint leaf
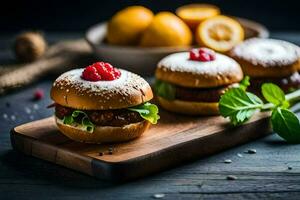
x=239 y=105
x=165 y=90
x=85 y=122
x=147 y=111
x=273 y=94
x=286 y=124
x=244 y=83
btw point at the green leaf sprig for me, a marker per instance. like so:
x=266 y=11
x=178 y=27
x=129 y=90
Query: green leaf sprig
x=147 y=111
x=165 y=90
x=239 y=106
x=85 y=122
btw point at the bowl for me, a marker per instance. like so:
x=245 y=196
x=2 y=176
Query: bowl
x=143 y=60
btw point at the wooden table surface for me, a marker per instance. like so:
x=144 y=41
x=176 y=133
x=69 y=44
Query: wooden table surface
x=273 y=172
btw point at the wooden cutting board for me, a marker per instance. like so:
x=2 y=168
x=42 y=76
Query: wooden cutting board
x=174 y=140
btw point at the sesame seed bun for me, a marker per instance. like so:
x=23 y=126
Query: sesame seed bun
x=189 y=107
x=72 y=91
x=180 y=70
x=104 y=134
x=267 y=58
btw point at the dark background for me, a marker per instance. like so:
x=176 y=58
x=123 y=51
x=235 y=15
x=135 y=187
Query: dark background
x=60 y=15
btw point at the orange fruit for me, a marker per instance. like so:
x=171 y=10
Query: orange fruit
x=194 y=14
x=166 y=29
x=127 y=25
x=219 y=33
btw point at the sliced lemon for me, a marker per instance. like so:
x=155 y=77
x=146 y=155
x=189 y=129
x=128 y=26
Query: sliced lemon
x=194 y=14
x=220 y=33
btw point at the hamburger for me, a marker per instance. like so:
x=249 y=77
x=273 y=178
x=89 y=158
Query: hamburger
x=269 y=60
x=100 y=104
x=192 y=82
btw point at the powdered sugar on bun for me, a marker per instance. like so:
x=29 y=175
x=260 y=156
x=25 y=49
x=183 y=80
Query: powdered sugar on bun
x=71 y=90
x=180 y=62
x=180 y=70
x=267 y=52
x=74 y=78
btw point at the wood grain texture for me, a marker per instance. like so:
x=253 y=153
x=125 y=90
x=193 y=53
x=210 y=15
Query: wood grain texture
x=173 y=140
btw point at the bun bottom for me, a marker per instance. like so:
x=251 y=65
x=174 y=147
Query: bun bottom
x=104 y=134
x=189 y=107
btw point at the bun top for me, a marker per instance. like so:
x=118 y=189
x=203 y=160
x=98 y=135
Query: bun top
x=128 y=90
x=267 y=52
x=180 y=70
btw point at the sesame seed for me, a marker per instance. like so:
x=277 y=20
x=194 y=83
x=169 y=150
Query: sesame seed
x=251 y=151
x=158 y=196
x=5 y=116
x=35 y=106
x=239 y=155
x=27 y=110
x=227 y=161
x=231 y=177
x=13 y=117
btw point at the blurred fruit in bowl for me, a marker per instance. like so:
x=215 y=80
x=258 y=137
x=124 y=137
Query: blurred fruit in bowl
x=220 y=33
x=135 y=39
x=166 y=29
x=194 y=14
x=127 y=25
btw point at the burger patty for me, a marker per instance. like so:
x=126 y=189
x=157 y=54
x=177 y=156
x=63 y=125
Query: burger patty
x=200 y=94
x=285 y=83
x=119 y=117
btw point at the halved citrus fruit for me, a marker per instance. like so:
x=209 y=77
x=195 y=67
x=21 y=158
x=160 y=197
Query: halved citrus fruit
x=220 y=33
x=194 y=14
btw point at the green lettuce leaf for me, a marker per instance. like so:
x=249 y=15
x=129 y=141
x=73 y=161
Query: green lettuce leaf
x=147 y=111
x=85 y=122
x=165 y=90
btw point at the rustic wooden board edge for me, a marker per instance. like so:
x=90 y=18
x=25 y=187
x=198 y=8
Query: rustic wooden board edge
x=147 y=164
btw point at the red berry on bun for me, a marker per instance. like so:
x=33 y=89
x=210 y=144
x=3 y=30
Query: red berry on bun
x=202 y=54
x=100 y=71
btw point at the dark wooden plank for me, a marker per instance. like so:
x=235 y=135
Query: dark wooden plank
x=163 y=145
x=266 y=171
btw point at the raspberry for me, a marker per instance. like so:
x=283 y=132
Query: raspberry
x=100 y=71
x=117 y=73
x=204 y=57
x=194 y=54
x=212 y=56
x=105 y=70
x=108 y=67
x=202 y=54
x=38 y=94
x=90 y=74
